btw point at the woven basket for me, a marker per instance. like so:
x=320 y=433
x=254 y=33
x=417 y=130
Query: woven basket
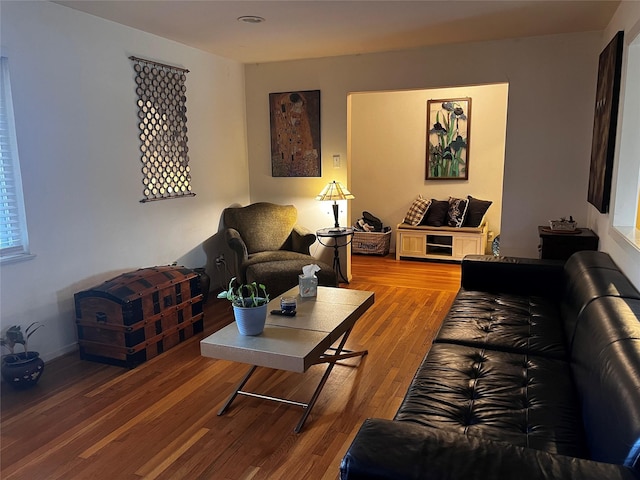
x=371 y=243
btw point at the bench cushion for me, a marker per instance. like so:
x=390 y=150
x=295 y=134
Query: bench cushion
x=406 y=226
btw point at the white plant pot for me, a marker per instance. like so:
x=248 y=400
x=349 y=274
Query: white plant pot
x=250 y=320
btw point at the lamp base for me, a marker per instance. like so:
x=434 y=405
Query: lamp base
x=335 y=213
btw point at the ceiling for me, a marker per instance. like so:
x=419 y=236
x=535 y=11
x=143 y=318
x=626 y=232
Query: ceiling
x=295 y=30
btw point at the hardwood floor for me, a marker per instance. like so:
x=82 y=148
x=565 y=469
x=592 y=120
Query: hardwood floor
x=87 y=420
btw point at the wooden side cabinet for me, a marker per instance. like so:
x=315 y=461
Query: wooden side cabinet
x=560 y=246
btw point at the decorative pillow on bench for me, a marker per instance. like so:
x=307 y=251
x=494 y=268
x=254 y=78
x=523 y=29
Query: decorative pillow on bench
x=437 y=214
x=476 y=211
x=417 y=211
x=456 y=212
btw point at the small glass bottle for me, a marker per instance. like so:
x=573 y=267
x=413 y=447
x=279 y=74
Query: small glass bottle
x=288 y=304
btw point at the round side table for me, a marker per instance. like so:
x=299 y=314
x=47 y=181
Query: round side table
x=336 y=234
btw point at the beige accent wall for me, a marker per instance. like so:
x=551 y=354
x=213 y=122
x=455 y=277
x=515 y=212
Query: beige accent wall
x=551 y=80
x=388 y=148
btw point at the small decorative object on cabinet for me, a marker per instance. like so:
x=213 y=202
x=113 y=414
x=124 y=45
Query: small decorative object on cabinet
x=138 y=315
x=561 y=244
x=23 y=369
x=563 y=225
x=250 y=303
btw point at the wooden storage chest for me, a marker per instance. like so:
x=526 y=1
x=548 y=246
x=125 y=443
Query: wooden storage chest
x=138 y=315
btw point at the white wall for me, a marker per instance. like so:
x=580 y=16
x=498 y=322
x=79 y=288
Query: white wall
x=75 y=109
x=627 y=155
x=552 y=84
x=388 y=148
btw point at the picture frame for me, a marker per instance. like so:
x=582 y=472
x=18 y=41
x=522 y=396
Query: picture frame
x=295 y=134
x=448 y=135
x=605 y=123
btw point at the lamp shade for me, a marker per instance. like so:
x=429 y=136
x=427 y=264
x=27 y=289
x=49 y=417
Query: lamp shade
x=335 y=191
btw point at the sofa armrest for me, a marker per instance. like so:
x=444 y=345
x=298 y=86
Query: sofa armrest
x=522 y=276
x=302 y=239
x=385 y=449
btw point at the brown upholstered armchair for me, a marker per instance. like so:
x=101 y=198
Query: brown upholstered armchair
x=270 y=247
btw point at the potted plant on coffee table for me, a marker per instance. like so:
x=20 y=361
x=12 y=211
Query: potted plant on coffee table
x=22 y=369
x=249 y=306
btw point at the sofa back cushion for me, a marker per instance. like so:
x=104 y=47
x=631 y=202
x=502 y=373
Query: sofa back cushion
x=589 y=275
x=606 y=367
x=263 y=226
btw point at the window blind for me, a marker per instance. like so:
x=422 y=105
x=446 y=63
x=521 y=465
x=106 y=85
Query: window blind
x=13 y=235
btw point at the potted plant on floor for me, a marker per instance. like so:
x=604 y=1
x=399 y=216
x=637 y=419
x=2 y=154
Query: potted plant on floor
x=249 y=306
x=23 y=369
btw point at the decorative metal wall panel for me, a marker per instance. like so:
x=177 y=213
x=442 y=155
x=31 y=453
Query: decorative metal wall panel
x=162 y=121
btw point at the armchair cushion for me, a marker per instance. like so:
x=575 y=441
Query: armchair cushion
x=263 y=226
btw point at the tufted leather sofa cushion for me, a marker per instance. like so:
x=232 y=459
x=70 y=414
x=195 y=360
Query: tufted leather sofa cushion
x=512 y=323
x=525 y=400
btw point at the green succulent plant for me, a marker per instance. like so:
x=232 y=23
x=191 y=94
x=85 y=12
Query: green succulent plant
x=250 y=295
x=14 y=336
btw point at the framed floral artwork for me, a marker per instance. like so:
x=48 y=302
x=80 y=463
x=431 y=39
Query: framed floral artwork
x=448 y=132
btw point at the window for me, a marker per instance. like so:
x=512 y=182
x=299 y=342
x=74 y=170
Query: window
x=14 y=244
x=626 y=215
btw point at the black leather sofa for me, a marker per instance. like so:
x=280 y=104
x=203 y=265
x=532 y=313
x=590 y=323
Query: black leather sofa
x=534 y=374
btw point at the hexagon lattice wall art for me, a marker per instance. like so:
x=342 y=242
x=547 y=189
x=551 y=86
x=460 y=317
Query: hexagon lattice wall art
x=162 y=121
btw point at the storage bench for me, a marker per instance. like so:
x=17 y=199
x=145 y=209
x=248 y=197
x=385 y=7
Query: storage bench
x=442 y=243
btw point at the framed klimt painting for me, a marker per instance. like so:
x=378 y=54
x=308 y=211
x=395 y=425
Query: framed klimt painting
x=295 y=134
x=605 y=123
x=448 y=135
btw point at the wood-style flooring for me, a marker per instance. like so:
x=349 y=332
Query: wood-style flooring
x=91 y=421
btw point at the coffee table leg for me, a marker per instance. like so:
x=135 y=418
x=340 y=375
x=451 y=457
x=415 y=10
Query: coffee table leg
x=331 y=359
x=238 y=388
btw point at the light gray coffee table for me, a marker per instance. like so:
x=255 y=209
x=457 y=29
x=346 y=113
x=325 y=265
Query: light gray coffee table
x=294 y=343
